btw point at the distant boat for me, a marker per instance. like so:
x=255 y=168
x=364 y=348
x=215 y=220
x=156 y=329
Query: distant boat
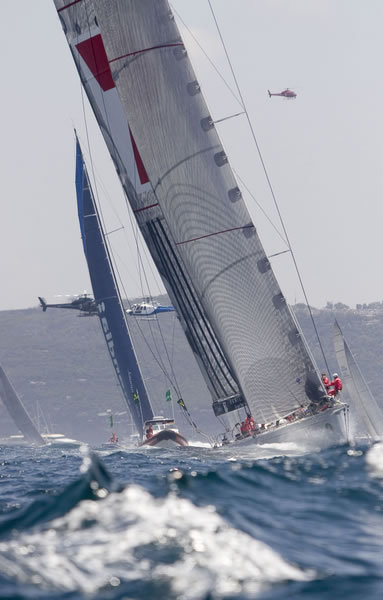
x=145 y=309
x=17 y=411
x=162 y=432
x=366 y=414
x=23 y=421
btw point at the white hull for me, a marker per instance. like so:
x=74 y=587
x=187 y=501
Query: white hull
x=325 y=429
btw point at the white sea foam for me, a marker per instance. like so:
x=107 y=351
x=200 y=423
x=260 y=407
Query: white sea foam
x=124 y=536
x=267 y=451
x=374 y=459
x=199 y=444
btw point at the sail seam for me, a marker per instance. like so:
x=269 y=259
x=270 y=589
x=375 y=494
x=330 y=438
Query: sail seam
x=68 y=5
x=145 y=50
x=194 y=306
x=145 y=208
x=201 y=237
x=179 y=292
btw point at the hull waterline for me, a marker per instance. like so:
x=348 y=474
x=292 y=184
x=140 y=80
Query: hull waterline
x=325 y=429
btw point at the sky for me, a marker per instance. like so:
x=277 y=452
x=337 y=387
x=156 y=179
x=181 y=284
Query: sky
x=323 y=151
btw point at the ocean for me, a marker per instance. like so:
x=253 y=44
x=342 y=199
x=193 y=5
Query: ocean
x=192 y=523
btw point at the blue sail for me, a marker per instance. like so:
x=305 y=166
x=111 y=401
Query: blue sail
x=107 y=298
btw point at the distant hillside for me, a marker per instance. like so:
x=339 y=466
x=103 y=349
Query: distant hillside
x=58 y=362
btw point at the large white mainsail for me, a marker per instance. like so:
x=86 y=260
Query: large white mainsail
x=84 y=38
x=367 y=416
x=192 y=214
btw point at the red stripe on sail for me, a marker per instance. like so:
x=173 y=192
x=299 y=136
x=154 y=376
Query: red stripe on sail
x=68 y=5
x=146 y=50
x=145 y=207
x=140 y=165
x=92 y=51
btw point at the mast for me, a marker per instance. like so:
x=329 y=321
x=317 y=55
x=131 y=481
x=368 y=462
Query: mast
x=17 y=411
x=108 y=300
x=191 y=212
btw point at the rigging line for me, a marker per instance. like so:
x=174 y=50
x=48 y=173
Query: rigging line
x=149 y=262
x=206 y=56
x=142 y=268
x=110 y=248
x=196 y=307
x=269 y=183
x=162 y=367
x=278 y=253
x=259 y=206
x=168 y=267
x=240 y=102
x=173 y=335
x=176 y=386
x=97 y=197
x=229 y=117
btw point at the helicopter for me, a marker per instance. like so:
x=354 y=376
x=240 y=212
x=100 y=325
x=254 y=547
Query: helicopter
x=286 y=93
x=144 y=309
x=83 y=302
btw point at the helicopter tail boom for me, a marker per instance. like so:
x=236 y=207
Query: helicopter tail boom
x=43 y=304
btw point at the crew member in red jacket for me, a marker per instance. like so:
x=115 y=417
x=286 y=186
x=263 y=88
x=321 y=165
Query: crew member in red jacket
x=325 y=381
x=337 y=385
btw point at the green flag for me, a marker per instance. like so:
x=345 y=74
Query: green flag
x=136 y=398
x=111 y=420
x=168 y=396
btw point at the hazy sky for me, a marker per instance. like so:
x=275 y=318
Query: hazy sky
x=323 y=151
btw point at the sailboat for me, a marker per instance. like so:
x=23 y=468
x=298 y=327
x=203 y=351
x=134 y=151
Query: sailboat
x=367 y=416
x=30 y=434
x=177 y=178
x=17 y=411
x=113 y=319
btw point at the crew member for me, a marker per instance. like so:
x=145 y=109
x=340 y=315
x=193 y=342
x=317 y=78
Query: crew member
x=250 y=422
x=325 y=381
x=149 y=432
x=337 y=385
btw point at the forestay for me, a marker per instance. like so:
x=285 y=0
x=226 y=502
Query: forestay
x=197 y=203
